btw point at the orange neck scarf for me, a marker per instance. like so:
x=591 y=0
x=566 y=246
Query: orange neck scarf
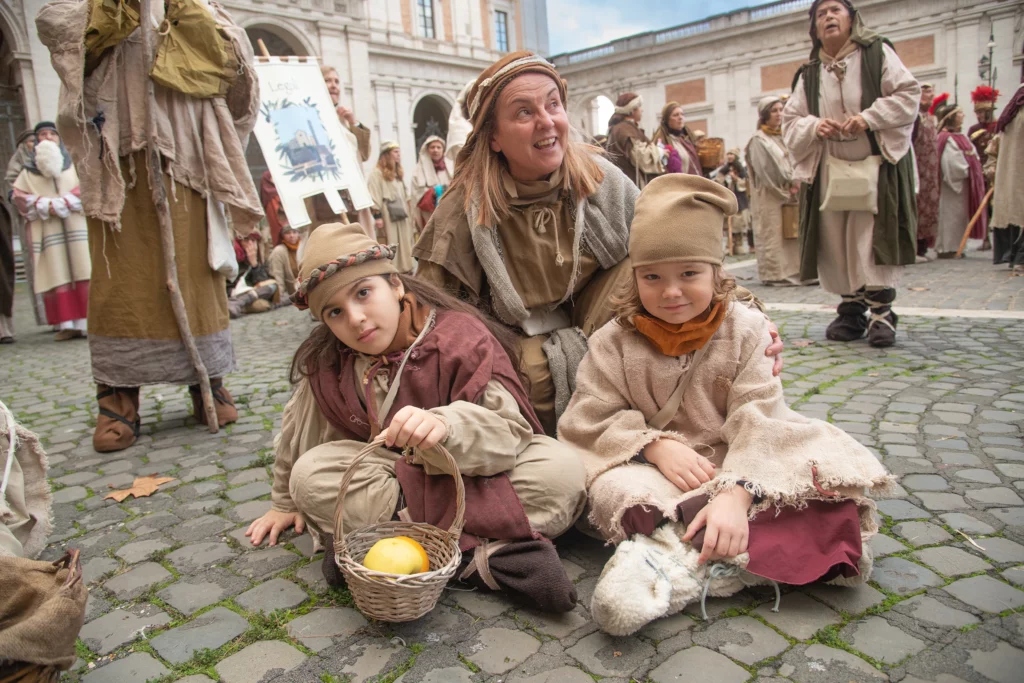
x=684 y=338
x=768 y=130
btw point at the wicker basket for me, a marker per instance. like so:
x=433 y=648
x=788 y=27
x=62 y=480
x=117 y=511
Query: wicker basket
x=711 y=152
x=398 y=597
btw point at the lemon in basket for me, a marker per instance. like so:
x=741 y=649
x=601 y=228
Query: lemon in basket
x=398 y=555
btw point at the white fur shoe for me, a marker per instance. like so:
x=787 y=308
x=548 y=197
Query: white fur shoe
x=651 y=577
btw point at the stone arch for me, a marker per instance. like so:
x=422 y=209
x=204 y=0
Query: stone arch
x=13 y=49
x=590 y=112
x=430 y=117
x=12 y=28
x=281 y=38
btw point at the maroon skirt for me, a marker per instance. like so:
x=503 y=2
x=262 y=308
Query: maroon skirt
x=67 y=302
x=796 y=546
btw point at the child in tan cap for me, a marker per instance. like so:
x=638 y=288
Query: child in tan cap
x=696 y=467
x=399 y=363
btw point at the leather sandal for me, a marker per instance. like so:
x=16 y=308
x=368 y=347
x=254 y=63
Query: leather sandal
x=118 y=422
x=224 y=404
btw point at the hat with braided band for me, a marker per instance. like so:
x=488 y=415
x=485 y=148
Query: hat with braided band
x=336 y=255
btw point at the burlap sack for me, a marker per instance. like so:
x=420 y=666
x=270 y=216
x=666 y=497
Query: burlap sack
x=42 y=608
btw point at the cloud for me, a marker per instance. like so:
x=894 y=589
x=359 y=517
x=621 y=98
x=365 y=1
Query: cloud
x=578 y=24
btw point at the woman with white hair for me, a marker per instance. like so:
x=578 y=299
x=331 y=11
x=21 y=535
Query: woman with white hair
x=534 y=228
x=46 y=194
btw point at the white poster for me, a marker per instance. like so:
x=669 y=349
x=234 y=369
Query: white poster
x=303 y=142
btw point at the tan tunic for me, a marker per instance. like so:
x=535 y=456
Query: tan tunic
x=954 y=198
x=485 y=438
x=1008 y=200
x=734 y=412
x=538 y=239
x=845 y=255
x=403 y=232
x=280 y=266
x=771 y=176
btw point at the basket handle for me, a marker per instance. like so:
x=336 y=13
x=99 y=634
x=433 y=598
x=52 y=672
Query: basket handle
x=460 y=489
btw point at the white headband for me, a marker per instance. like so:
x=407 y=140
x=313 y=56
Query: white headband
x=533 y=59
x=631 y=107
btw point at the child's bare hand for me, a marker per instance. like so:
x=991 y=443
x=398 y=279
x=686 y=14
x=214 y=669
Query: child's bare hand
x=415 y=427
x=728 y=529
x=273 y=523
x=774 y=350
x=680 y=464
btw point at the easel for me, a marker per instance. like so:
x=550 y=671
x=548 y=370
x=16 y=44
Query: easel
x=365 y=216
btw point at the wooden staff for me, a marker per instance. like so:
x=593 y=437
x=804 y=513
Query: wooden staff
x=729 y=236
x=163 y=213
x=974 y=219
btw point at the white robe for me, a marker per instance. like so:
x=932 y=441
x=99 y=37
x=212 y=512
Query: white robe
x=845 y=250
x=954 y=198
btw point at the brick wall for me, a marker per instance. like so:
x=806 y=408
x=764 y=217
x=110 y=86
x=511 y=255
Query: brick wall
x=686 y=92
x=699 y=124
x=486 y=18
x=407 y=17
x=916 y=51
x=447 y=9
x=779 y=76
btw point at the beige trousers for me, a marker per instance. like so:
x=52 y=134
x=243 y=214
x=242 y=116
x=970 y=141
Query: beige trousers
x=592 y=309
x=548 y=476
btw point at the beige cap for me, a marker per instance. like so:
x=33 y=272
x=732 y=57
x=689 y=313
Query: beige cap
x=678 y=217
x=766 y=103
x=336 y=255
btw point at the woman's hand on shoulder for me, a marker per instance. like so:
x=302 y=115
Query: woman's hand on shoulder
x=273 y=523
x=680 y=464
x=774 y=350
x=728 y=530
x=415 y=428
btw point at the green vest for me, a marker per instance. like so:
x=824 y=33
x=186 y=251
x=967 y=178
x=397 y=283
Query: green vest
x=895 y=231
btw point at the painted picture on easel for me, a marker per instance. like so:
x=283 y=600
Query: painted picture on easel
x=303 y=144
x=302 y=139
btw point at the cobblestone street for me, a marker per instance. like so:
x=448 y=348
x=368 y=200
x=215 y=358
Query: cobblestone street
x=178 y=593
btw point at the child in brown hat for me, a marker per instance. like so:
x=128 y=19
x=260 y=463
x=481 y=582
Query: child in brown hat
x=399 y=361
x=692 y=454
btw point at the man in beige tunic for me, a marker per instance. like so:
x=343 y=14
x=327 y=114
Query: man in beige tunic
x=864 y=105
x=1008 y=201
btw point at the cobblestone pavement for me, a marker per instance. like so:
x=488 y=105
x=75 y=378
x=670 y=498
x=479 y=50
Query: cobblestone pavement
x=970 y=283
x=176 y=593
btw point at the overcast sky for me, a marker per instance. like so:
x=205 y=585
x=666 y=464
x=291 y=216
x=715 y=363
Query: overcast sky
x=576 y=24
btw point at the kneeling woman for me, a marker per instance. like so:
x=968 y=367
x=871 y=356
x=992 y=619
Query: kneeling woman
x=773 y=494
x=398 y=356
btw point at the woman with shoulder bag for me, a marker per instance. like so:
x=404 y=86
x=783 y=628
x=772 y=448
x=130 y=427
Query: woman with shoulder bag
x=390 y=199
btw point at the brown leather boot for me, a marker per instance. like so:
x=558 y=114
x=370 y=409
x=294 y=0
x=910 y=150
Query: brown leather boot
x=117 y=424
x=225 y=405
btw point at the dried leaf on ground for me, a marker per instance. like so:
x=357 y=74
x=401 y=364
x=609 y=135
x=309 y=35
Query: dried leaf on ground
x=918 y=289
x=801 y=343
x=281 y=322
x=141 y=487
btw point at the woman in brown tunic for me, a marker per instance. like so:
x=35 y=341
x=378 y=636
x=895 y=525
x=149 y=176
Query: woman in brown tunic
x=535 y=225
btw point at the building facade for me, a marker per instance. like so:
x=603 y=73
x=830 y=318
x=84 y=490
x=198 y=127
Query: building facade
x=718 y=68
x=403 y=62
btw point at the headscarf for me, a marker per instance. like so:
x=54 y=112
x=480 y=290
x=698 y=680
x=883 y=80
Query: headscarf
x=623 y=108
x=485 y=89
x=45 y=125
x=859 y=33
x=426 y=171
